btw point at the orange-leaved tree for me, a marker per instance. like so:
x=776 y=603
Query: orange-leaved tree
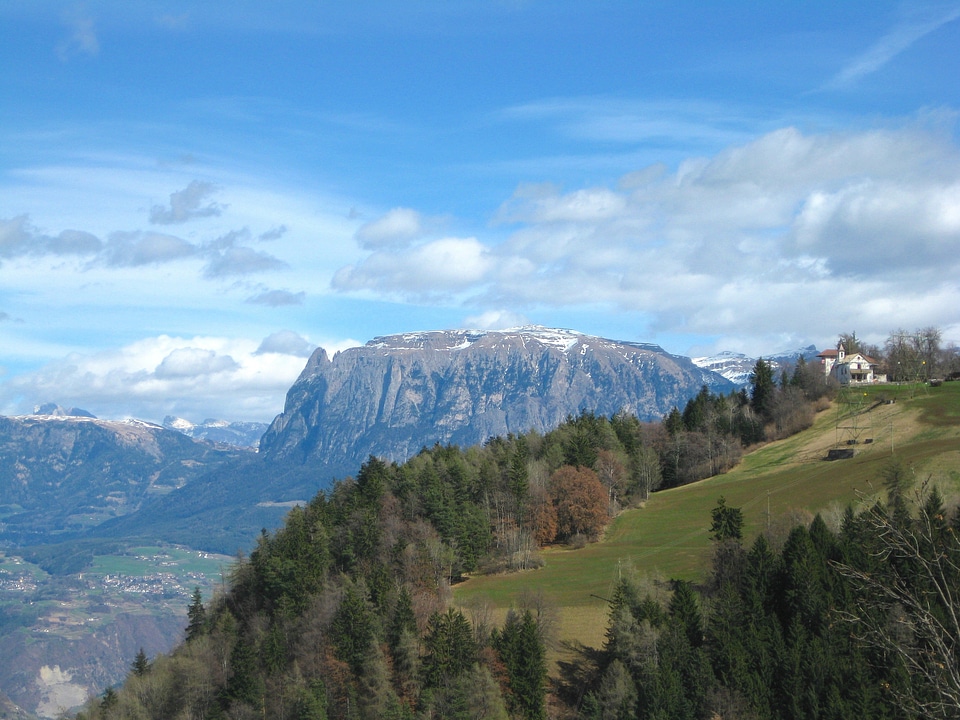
x=581 y=502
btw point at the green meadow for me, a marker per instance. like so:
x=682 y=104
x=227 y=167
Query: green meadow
x=775 y=485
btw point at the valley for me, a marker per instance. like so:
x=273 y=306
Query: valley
x=108 y=527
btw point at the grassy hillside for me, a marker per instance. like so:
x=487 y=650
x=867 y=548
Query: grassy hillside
x=668 y=537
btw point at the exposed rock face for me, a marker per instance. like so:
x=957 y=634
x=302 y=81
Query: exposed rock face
x=399 y=393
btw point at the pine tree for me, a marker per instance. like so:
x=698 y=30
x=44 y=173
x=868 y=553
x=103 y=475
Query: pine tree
x=727 y=522
x=140 y=664
x=764 y=389
x=196 y=615
x=450 y=648
x=523 y=653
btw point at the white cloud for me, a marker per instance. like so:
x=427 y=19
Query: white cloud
x=810 y=232
x=286 y=342
x=439 y=267
x=495 y=320
x=397 y=227
x=193 y=362
x=195 y=378
x=897 y=40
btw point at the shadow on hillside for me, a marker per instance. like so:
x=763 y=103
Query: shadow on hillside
x=576 y=673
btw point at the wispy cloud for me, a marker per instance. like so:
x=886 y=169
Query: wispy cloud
x=899 y=39
x=83 y=35
x=277 y=298
x=186 y=204
x=132 y=249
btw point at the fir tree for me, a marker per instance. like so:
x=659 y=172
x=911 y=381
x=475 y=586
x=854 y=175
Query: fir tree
x=196 y=615
x=140 y=664
x=523 y=653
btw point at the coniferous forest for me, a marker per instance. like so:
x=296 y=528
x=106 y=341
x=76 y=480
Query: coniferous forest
x=345 y=612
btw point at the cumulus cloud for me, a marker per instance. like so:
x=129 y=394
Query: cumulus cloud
x=397 y=227
x=439 y=267
x=806 y=231
x=277 y=298
x=186 y=204
x=133 y=249
x=286 y=342
x=193 y=362
x=195 y=378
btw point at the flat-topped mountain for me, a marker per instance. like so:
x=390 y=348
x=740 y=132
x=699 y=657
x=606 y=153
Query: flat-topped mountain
x=399 y=393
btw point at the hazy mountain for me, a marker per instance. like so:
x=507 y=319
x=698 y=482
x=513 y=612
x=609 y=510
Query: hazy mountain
x=399 y=393
x=64 y=473
x=238 y=434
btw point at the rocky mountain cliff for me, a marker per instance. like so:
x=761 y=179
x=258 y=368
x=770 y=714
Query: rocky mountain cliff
x=399 y=393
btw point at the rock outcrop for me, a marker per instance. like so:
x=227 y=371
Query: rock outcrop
x=399 y=393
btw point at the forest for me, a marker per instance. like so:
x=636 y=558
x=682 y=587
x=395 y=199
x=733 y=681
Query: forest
x=345 y=611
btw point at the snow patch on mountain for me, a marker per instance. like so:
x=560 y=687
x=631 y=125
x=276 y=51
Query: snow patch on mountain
x=737 y=367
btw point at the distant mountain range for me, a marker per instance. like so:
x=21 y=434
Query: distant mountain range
x=737 y=367
x=65 y=474
x=238 y=434
x=78 y=485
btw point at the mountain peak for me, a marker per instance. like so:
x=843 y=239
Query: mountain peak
x=401 y=392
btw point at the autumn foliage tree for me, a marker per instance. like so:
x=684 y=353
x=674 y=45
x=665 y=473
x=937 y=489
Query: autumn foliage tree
x=580 y=500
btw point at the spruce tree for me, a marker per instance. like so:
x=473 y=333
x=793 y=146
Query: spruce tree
x=523 y=653
x=196 y=615
x=140 y=664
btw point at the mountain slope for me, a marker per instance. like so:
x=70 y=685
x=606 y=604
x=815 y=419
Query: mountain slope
x=62 y=474
x=399 y=393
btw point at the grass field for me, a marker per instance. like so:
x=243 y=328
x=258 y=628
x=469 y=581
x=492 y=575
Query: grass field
x=669 y=538
x=149 y=560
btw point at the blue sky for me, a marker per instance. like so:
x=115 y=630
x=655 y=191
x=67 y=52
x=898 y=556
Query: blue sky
x=195 y=195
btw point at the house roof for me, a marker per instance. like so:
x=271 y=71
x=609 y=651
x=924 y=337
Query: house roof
x=833 y=354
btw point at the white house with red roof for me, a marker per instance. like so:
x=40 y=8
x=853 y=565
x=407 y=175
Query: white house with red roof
x=855 y=368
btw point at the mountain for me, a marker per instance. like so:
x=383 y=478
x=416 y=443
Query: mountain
x=237 y=434
x=736 y=367
x=399 y=393
x=63 y=473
